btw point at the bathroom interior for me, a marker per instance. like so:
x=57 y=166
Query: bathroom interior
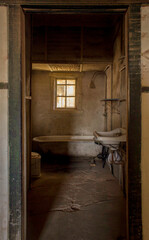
x=77 y=86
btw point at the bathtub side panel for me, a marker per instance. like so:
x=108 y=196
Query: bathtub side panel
x=69 y=148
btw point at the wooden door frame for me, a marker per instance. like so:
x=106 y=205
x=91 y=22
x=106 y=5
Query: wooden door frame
x=16 y=107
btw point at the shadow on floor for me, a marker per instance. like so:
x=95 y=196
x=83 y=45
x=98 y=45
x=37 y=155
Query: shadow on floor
x=44 y=191
x=74 y=201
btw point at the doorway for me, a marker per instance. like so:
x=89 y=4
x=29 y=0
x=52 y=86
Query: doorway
x=16 y=153
x=80 y=31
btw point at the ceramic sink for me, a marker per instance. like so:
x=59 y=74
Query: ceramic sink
x=109 y=138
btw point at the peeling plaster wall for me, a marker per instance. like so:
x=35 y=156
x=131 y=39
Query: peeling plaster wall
x=3 y=124
x=89 y=116
x=145 y=119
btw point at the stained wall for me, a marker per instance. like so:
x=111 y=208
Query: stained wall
x=83 y=121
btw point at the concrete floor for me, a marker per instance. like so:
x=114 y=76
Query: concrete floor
x=74 y=201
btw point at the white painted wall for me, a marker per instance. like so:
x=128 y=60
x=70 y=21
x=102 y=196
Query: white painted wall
x=3 y=125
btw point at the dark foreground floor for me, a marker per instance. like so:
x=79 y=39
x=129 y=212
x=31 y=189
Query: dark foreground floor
x=74 y=201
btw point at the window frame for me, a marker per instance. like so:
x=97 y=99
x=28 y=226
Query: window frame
x=65 y=96
x=68 y=75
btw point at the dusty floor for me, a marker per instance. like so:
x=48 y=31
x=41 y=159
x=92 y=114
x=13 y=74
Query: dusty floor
x=74 y=201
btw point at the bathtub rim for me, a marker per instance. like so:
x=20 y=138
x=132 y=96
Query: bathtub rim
x=63 y=138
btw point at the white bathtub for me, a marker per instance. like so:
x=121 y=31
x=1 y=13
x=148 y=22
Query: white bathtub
x=72 y=145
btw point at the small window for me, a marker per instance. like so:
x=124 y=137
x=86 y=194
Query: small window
x=65 y=93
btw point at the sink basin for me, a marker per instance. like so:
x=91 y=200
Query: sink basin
x=110 y=138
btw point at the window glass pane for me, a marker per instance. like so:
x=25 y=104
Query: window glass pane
x=70 y=102
x=60 y=102
x=60 y=90
x=70 y=90
x=61 y=81
x=71 y=81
